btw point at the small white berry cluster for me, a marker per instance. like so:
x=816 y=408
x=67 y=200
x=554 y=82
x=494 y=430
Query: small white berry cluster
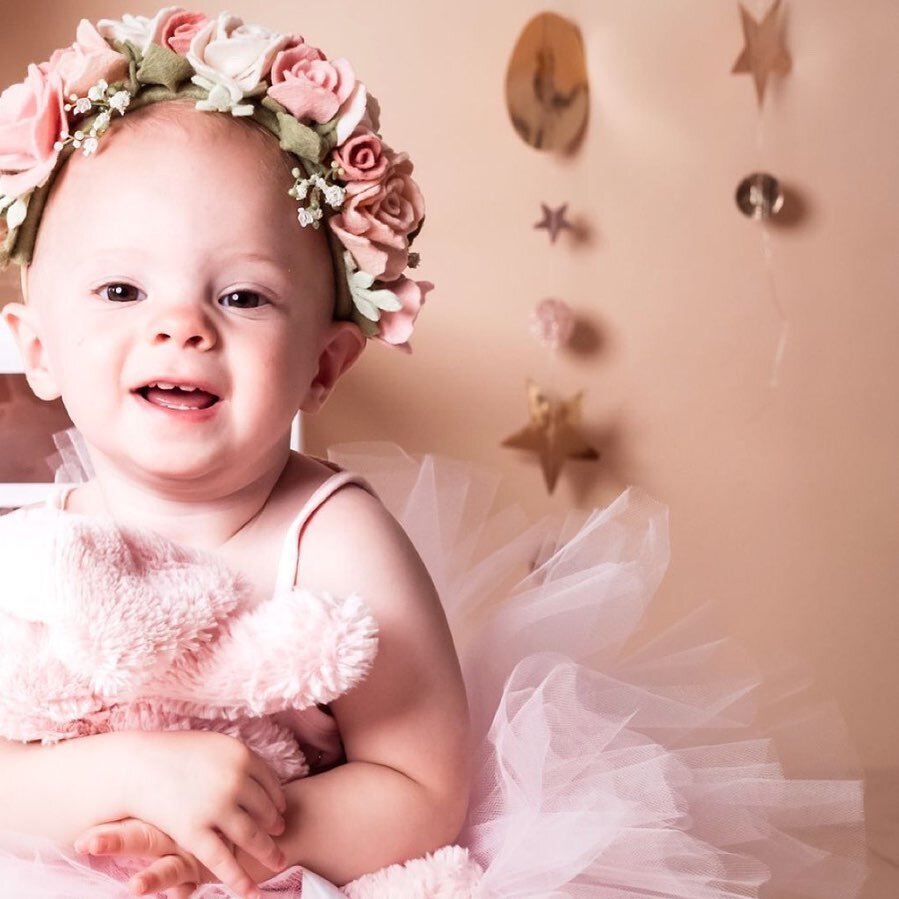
x=316 y=187
x=103 y=97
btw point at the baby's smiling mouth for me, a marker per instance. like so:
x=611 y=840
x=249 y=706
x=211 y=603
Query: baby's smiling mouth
x=175 y=396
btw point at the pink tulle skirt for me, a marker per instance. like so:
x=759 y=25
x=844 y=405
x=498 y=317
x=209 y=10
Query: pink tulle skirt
x=610 y=763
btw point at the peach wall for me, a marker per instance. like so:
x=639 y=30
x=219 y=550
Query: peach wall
x=783 y=500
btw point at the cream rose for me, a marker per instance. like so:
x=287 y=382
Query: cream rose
x=31 y=118
x=377 y=218
x=237 y=57
x=140 y=30
x=86 y=61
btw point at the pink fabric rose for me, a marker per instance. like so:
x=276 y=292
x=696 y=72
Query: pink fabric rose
x=308 y=85
x=86 y=61
x=238 y=57
x=377 y=218
x=31 y=117
x=395 y=328
x=362 y=157
x=180 y=28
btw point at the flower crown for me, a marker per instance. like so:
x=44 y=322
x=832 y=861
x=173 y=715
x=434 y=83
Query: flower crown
x=316 y=107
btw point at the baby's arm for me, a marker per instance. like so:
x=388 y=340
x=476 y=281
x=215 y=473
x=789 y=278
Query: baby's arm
x=59 y=790
x=203 y=788
x=404 y=789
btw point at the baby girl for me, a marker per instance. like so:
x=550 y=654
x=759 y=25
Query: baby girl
x=182 y=300
x=210 y=227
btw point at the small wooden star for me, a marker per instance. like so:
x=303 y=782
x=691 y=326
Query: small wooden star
x=553 y=433
x=554 y=221
x=764 y=53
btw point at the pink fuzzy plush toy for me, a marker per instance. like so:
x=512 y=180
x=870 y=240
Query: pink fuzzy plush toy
x=105 y=627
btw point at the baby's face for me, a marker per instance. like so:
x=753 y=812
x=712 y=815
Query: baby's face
x=174 y=256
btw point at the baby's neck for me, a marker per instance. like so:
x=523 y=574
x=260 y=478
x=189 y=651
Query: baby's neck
x=204 y=516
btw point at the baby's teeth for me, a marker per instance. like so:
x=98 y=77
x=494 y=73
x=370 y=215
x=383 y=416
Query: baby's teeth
x=164 y=386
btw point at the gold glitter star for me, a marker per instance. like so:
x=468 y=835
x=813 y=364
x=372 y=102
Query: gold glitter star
x=763 y=53
x=554 y=221
x=553 y=433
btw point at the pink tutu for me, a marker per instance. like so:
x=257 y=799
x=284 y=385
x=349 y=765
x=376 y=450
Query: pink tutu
x=610 y=764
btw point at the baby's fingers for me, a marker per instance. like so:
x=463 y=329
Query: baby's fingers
x=268 y=780
x=168 y=871
x=257 y=802
x=212 y=852
x=129 y=835
x=245 y=832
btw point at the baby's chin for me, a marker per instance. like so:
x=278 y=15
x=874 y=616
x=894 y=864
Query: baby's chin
x=179 y=469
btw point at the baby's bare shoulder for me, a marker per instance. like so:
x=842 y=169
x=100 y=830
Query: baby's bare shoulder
x=414 y=695
x=352 y=537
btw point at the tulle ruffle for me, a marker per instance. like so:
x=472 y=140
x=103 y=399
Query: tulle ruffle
x=611 y=763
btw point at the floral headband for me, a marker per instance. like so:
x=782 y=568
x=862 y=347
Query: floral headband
x=316 y=108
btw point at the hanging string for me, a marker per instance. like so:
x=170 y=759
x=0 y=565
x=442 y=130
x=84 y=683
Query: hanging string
x=768 y=263
x=772 y=292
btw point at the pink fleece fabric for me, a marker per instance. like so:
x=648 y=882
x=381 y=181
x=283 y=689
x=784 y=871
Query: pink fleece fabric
x=106 y=627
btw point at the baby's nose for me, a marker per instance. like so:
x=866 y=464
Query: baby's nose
x=186 y=327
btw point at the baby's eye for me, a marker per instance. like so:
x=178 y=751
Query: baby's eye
x=243 y=299
x=121 y=293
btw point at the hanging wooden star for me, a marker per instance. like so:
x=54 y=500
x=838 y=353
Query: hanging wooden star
x=764 y=53
x=553 y=433
x=554 y=221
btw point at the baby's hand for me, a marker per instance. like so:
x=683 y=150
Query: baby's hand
x=209 y=793
x=175 y=872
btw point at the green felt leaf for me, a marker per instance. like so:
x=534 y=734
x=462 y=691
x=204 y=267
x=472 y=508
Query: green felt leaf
x=267 y=118
x=160 y=65
x=328 y=134
x=368 y=328
x=21 y=247
x=299 y=138
x=272 y=104
x=132 y=53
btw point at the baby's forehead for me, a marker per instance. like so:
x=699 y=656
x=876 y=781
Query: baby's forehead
x=170 y=155
x=199 y=134
x=170 y=182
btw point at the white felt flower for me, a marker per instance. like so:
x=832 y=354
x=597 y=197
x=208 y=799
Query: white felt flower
x=16 y=210
x=140 y=30
x=232 y=60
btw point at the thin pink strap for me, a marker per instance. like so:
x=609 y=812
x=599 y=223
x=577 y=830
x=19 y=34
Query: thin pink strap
x=57 y=499
x=290 y=554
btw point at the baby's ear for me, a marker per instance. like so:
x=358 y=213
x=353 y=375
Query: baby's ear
x=343 y=346
x=23 y=323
